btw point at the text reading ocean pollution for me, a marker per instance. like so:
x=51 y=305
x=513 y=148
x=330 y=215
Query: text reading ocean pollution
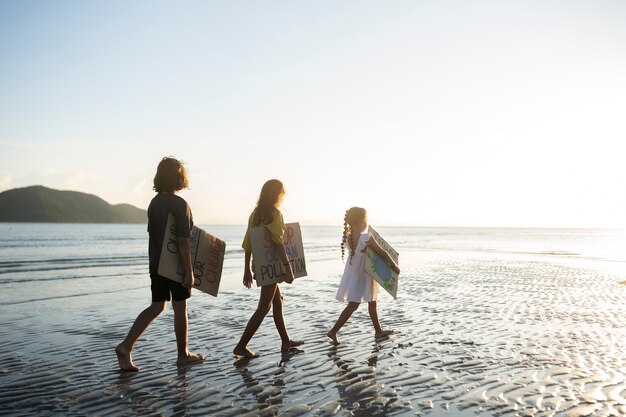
x=378 y=268
x=268 y=268
x=207 y=258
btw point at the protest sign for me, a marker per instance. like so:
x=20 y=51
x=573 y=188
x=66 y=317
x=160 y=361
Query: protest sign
x=378 y=268
x=268 y=268
x=207 y=258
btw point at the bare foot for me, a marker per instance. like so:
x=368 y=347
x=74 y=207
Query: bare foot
x=291 y=344
x=124 y=359
x=333 y=337
x=383 y=333
x=245 y=352
x=190 y=358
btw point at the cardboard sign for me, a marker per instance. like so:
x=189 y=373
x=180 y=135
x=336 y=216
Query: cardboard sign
x=207 y=258
x=268 y=268
x=378 y=268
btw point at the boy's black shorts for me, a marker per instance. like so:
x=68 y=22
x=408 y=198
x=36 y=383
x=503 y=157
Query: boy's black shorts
x=162 y=288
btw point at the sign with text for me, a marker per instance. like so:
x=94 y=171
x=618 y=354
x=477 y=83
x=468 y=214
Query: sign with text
x=207 y=258
x=378 y=268
x=268 y=268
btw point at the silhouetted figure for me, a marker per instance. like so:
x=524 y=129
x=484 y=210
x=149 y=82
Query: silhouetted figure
x=171 y=177
x=267 y=214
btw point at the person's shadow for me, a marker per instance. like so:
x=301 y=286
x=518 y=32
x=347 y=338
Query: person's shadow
x=286 y=356
x=266 y=395
x=128 y=384
x=182 y=390
x=361 y=400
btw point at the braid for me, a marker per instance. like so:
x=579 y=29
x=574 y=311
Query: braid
x=351 y=218
x=352 y=244
x=343 y=239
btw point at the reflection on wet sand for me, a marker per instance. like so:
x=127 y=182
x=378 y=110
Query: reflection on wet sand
x=359 y=391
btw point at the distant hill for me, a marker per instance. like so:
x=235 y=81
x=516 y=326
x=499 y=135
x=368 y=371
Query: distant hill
x=41 y=204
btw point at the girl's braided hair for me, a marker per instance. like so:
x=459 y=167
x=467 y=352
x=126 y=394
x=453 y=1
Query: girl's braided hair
x=353 y=217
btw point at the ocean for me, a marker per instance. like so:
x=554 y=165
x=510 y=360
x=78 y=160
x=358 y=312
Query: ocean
x=487 y=322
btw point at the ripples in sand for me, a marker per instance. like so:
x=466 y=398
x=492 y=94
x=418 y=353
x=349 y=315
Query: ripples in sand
x=474 y=335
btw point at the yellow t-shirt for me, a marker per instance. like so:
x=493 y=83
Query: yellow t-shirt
x=276 y=229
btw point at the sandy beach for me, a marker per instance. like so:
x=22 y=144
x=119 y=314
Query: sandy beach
x=483 y=141
x=477 y=332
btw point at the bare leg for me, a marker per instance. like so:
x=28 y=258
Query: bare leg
x=181 y=330
x=124 y=350
x=371 y=307
x=265 y=303
x=343 y=318
x=279 y=321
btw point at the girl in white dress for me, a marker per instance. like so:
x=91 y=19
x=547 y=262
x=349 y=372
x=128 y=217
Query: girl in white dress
x=356 y=285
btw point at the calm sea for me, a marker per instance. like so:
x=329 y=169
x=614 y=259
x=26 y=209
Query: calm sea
x=31 y=250
x=73 y=258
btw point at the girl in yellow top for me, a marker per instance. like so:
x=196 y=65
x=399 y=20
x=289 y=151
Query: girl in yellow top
x=267 y=214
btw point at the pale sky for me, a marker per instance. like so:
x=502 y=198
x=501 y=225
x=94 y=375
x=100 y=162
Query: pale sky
x=426 y=113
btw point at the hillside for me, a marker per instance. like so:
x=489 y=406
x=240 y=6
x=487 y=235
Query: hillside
x=41 y=204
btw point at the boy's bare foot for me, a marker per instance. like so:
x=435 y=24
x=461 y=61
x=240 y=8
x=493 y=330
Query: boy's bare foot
x=383 y=333
x=245 y=352
x=333 y=337
x=124 y=359
x=291 y=344
x=190 y=358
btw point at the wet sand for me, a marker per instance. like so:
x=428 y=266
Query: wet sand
x=487 y=334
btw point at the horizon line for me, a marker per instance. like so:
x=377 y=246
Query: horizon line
x=201 y=223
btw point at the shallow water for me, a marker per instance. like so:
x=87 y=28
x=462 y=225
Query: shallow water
x=501 y=322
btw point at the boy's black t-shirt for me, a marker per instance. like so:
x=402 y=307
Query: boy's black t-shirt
x=158 y=210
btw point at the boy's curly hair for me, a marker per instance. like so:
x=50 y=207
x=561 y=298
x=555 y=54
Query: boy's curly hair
x=171 y=176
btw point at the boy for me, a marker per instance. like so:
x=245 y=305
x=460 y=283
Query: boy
x=170 y=178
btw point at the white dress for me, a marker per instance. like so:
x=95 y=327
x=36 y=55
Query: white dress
x=356 y=285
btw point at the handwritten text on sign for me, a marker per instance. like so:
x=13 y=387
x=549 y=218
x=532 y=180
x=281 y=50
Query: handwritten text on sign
x=268 y=268
x=380 y=270
x=207 y=258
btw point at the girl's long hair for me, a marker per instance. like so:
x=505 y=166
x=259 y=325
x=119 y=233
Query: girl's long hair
x=353 y=218
x=266 y=205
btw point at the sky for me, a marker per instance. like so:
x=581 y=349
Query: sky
x=427 y=113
